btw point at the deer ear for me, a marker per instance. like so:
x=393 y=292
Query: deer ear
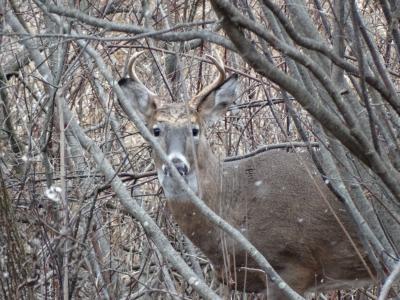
x=213 y=106
x=139 y=98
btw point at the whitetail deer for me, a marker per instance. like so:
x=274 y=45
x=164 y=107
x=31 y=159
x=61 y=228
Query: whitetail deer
x=275 y=198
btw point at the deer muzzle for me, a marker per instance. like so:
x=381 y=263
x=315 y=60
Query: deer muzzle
x=180 y=163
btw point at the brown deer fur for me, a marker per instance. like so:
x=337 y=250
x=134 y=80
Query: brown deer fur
x=276 y=199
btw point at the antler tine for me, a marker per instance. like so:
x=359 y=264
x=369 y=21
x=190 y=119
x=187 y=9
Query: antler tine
x=220 y=79
x=132 y=73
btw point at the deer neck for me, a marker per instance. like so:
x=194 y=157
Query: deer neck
x=208 y=175
x=186 y=214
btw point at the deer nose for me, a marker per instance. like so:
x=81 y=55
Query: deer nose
x=180 y=166
x=180 y=163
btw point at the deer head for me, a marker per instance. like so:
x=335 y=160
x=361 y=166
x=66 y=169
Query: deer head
x=179 y=127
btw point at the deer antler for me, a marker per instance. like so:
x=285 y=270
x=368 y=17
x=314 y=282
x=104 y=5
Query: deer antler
x=132 y=72
x=209 y=88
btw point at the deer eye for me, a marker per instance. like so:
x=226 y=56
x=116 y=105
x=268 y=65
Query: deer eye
x=195 y=131
x=156 y=131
